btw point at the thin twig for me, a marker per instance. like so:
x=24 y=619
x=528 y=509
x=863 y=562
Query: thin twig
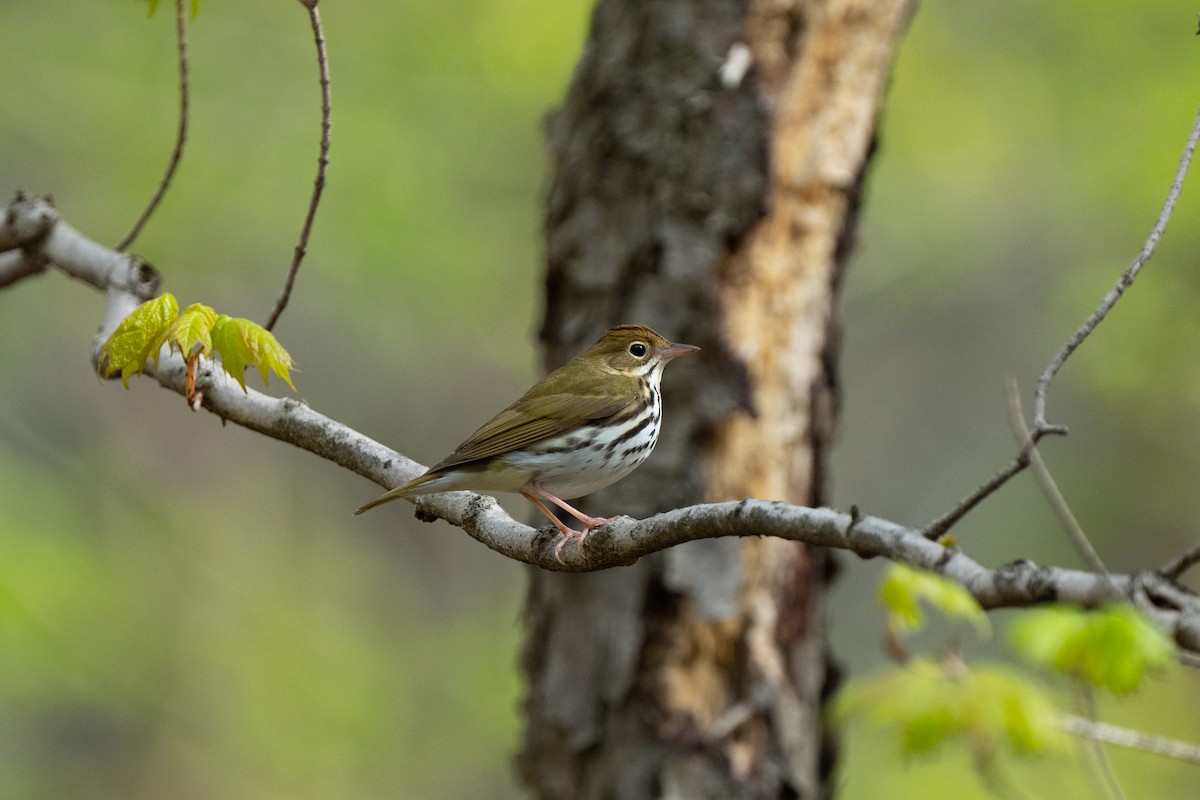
x=1105 y=778
x=1177 y=566
x=180 y=134
x=936 y=529
x=1123 y=283
x=1041 y=427
x=322 y=163
x=996 y=782
x=1187 y=658
x=1135 y=740
x=1049 y=487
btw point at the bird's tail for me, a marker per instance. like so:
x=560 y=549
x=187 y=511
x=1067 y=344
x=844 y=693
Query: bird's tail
x=399 y=493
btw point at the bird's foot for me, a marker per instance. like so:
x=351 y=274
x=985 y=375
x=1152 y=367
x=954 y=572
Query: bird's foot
x=580 y=536
x=596 y=522
x=568 y=534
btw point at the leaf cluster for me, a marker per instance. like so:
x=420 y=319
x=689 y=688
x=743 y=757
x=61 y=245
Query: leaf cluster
x=932 y=702
x=196 y=331
x=1113 y=647
x=904 y=588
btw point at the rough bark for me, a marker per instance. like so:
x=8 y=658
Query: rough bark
x=715 y=204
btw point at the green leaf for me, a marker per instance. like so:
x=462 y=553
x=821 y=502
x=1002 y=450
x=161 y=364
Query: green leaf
x=928 y=707
x=193 y=329
x=1026 y=717
x=1113 y=647
x=240 y=342
x=243 y=343
x=139 y=337
x=274 y=358
x=227 y=339
x=904 y=587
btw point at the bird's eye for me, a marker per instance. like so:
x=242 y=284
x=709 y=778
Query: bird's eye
x=637 y=350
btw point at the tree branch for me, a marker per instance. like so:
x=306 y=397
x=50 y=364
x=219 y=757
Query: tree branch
x=1102 y=776
x=1181 y=564
x=15 y=265
x=314 y=200
x=1126 y=737
x=1041 y=427
x=944 y=523
x=1049 y=487
x=181 y=45
x=1123 y=283
x=127 y=281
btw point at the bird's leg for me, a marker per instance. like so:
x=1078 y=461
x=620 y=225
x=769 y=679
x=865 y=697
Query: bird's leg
x=567 y=533
x=588 y=522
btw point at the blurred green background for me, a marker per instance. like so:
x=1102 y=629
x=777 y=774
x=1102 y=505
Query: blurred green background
x=188 y=610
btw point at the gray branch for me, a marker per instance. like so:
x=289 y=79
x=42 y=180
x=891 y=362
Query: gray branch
x=31 y=225
x=1125 y=737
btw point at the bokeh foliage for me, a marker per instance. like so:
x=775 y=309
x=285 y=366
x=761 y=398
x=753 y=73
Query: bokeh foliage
x=186 y=609
x=166 y=632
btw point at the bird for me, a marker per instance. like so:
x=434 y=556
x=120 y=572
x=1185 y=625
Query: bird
x=584 y=426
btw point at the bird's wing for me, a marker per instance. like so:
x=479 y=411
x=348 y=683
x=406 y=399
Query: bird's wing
x=516 y=426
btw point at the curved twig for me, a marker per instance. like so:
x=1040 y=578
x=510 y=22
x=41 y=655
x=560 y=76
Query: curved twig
x=940 y=526
x=1181 y=564
x=180 y=134
x=322 y=164
x=1123 y=283
x=1049 y=488
x=1091 y=749
x=1041 y=427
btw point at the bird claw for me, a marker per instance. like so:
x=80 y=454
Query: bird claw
x=596 y=522
x=568 y=535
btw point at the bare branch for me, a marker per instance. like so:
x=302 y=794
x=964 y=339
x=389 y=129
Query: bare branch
x=997 y=782
x=1177 y=566
x=1102 y=775
x=322 y=163
x=1046 y=481
x=1125 y=737
x=1041 y=427
x=15 y=265
x=1188 y=659
x=26 y=222
x=1123 y=283
x=180 y=133
x=126 y=282
x=33 y=224
x=940 y=526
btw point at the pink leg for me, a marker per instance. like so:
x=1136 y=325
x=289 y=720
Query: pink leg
x=588 y=522
x=567 y=533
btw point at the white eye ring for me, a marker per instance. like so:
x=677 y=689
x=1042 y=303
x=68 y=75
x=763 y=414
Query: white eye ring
x=638 y=350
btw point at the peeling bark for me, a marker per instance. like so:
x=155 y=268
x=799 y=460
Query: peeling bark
x=707 y=164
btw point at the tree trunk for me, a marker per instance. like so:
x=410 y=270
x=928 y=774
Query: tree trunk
x=706 y=167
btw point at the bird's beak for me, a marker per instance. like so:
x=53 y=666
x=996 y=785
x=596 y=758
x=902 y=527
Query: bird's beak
x=672 y=351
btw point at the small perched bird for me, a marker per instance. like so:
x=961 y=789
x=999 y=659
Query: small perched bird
x=582 y=427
